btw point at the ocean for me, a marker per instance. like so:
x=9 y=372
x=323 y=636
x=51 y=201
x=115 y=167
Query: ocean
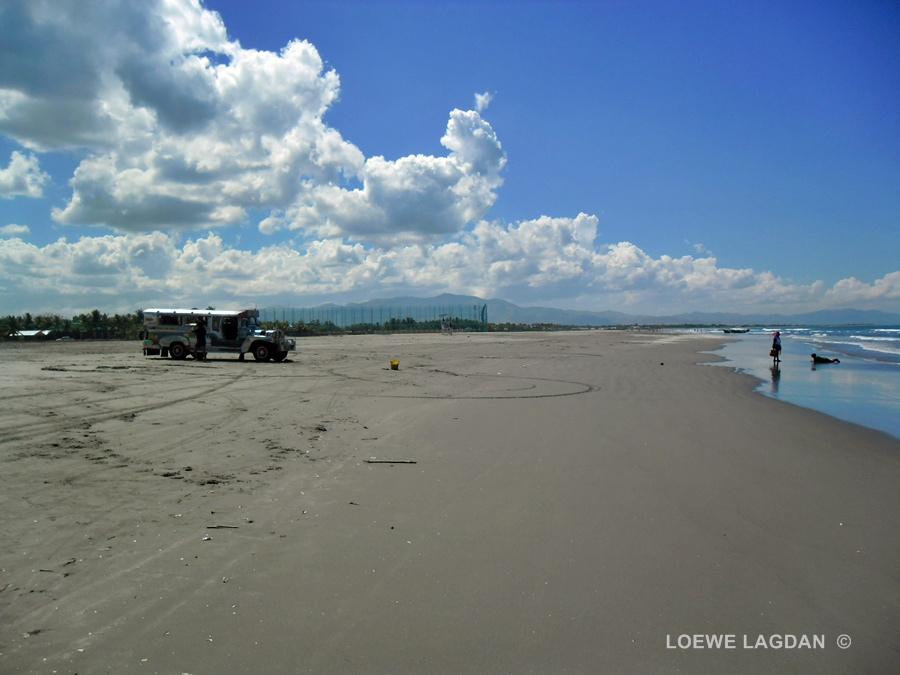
x=863 y=388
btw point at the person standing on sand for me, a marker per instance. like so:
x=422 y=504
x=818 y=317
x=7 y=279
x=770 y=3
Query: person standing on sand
x=200 y=332
x=775 y=353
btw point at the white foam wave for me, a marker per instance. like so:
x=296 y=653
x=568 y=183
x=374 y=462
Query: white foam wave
x=883 y=349
x=875 y=339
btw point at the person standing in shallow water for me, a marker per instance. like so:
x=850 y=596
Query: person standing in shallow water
x=775 y=353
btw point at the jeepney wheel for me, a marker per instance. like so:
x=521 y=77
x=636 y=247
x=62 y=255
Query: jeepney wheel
x=279 y=356
x=177 y=350
x=261 y=352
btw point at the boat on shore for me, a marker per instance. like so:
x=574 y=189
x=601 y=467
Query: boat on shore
x=736 y=330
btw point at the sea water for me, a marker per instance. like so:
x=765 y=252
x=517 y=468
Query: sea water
x=863 y=388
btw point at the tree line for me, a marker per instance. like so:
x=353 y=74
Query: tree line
x=406 y=325
x=97 y=325
x=89 y=325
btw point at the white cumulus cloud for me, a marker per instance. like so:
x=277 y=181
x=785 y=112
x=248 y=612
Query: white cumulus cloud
x=483 y=100
x=183 y=128
x=853 y=292
x=22 y=177
x=13 y=230
x=418 y=197
x=544 y=258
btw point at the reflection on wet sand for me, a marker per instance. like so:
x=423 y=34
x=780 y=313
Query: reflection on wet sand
x=776 y=378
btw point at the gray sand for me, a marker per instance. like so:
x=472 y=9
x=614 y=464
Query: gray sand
x=573 y=502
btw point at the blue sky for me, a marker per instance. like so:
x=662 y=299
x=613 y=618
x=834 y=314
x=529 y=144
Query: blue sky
x=722 y=156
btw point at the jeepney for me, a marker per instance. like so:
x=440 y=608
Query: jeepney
x=172 y=333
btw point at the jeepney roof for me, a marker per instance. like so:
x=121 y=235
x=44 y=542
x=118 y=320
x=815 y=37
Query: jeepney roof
x=202 y=312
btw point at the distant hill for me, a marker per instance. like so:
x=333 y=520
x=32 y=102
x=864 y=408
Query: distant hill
x=502 y=311
x=820 y=318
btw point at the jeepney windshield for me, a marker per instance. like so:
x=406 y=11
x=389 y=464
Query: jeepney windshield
x=250 y=324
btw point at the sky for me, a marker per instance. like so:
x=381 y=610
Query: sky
x=648 y=157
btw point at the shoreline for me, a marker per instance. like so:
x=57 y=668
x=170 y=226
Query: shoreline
x=857 y=391
x=543 y=527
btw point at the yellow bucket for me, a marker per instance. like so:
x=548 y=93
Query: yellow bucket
x=395 y=364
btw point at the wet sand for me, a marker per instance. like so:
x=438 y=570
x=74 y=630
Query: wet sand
x=575 y=499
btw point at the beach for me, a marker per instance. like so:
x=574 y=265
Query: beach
x=503 y=503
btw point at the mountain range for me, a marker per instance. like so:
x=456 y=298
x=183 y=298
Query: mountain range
x=502 y=311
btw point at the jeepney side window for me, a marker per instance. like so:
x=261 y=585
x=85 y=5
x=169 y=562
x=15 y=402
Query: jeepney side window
x=168 y=320
x=216 y=322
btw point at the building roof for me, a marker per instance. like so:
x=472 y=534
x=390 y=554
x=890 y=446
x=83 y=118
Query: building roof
x=32 y=333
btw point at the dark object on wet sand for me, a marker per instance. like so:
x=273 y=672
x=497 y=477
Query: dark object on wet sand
x=372 y=460
x=823 y=359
